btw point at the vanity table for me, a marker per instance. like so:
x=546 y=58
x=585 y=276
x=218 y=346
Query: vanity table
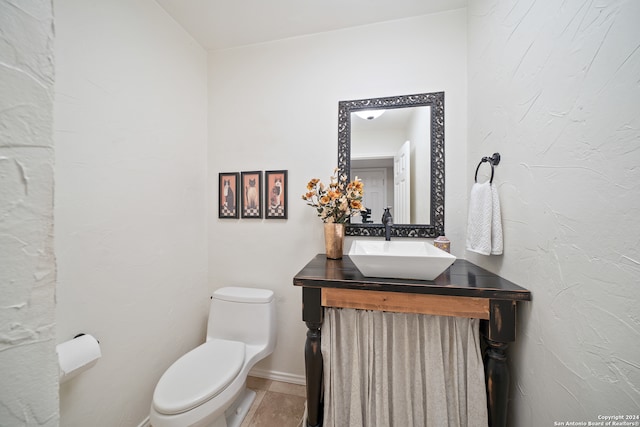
x=463 y=290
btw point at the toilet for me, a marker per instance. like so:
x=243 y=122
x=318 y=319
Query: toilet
x=207 y=386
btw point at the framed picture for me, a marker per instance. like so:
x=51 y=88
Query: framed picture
x=251 y=194
x=228 y=190
x=275 y=194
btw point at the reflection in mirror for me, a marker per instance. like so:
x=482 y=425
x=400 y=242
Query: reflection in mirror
x=390 y=154
x=396 y=146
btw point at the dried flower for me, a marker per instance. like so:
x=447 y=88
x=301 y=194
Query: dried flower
x=337 y=202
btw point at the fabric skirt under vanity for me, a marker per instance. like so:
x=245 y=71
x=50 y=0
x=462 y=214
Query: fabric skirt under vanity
x=395 y=369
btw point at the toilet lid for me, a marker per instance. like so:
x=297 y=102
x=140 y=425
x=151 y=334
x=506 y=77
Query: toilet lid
x=198 y=376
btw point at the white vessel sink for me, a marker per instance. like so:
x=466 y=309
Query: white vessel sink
x=399 y=259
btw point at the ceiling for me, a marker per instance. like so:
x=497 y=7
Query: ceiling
x=392 y=119
x=223 y=24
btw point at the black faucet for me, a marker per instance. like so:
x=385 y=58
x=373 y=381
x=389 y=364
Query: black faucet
x=387 y=221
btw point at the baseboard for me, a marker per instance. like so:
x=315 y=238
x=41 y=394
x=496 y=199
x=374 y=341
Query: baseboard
x=277 y=376
x=145 y=423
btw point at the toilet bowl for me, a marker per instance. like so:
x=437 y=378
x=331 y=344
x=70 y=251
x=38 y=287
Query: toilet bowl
x=207 y=386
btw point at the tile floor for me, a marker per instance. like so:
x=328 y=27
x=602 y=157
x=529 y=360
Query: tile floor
x=277 y=404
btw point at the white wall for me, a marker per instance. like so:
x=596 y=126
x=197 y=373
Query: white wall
x=28 y=364
x=274 y=106
x=130 y=203
x=553 y=87
x=420 y=172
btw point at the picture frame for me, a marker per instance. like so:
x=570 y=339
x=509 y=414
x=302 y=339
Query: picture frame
x=228 y=194
x=251 y=190
x=275 y=194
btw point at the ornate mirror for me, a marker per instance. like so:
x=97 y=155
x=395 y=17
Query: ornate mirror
x=396 y=146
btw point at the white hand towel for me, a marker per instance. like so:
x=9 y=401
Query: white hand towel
x=484 y=226
x=480 y=218
x=496 y=223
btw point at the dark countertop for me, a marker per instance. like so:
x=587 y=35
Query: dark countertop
x=461 y=279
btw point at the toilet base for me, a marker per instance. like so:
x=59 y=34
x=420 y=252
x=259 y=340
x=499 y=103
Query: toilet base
x=235 y=414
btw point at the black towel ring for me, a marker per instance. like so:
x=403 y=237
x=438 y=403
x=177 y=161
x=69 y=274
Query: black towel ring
x=493 y=161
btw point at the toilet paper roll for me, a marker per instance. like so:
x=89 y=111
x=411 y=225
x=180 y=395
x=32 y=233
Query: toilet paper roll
x=77 y=355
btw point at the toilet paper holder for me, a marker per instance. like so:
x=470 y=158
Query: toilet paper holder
x=77 y=355
x=81 y=334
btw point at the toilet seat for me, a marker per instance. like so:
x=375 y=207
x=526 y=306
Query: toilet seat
x=198 y=376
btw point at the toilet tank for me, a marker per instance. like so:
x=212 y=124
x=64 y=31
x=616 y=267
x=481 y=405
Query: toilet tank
x=243 y=314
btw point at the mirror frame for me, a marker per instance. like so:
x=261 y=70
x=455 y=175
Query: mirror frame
x=435 y=100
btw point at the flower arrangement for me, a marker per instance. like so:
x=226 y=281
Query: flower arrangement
x=338 y=201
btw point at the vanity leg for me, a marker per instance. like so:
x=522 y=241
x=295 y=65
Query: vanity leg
x=498 y=332
x=313 y=316
x=314 y=370
x=496 y=374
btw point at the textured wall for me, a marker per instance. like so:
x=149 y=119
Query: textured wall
x=554 y=87
x=130 y=202
x=275 y=106
x=28 y=364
